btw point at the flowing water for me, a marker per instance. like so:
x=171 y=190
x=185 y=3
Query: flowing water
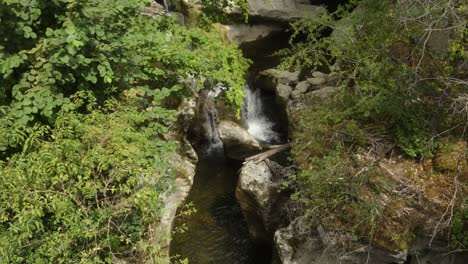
x=258 y=123
x=217 y=232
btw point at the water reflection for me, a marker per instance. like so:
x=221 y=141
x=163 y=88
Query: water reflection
x=217 y=233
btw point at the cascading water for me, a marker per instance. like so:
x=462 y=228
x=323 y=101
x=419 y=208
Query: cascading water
x=210 y=123
x=258 y=124
x=217 y=232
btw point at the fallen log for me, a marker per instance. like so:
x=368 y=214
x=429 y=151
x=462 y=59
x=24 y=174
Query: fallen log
x=264 y=155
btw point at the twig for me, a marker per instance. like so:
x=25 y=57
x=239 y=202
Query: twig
x=449 y=208
x=262 y=156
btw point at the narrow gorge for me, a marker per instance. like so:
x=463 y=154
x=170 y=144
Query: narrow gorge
x=243 y=210
x=234 y=131
x=221 y=230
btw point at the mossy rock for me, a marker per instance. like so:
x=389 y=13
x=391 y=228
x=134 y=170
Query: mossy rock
x=452 y=157
x=394 y=232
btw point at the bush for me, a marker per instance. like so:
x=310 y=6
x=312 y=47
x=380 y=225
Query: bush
x=397 y=91
x=392 y=78
x=89 y=192
x=83 y=153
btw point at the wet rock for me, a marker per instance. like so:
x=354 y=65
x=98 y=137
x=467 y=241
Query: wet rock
x=186 y=113
x=283 y=92
x=238 y=143
x=302 y=87
x=316 y=80
x=257 y=191
x=432 y=257
x=269 y=79
x=241 y=33
x=318 y=74
x=437 y=252
x=185 y=166
x=203 y=125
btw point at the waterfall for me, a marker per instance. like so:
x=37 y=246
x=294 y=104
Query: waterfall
x=166 y=6
x=255 y=119
x=209 y=123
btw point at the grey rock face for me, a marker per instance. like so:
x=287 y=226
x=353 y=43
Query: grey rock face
x=240 y=33
x=257 y=191
x=296 y=245
x=270 y=78
x=285 y=10
x=316 y=80
x=184 y=159
x=324 y=92
x=238 y=143
x=302 y=87
x=318 y=74
x=283 y=92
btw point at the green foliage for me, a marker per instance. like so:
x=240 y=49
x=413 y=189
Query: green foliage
x=392 y=80
x=459 y=232
x=398 y=89
x=213 y=10
x=340 y=193
x=89 y=188
x=84 y=156
x=106 y=47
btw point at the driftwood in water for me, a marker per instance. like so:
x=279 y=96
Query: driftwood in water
x=264 y=155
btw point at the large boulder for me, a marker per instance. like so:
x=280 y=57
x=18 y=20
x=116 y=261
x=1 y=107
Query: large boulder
x=300 y=89
x=283 y=93
x=283 y=10
x=316 y=80
x=185 y=166
x=257 y=192
x=273 y=10
x=295 y=244
x=153 y=10
x=184 y=161
x=324 y=92
x=238 y=143
x=242 y=33
x=299 y=243
x=269 y=79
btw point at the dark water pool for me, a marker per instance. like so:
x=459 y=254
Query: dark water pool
x=217 y=233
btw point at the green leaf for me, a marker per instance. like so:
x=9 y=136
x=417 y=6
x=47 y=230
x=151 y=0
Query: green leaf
x=65 y=59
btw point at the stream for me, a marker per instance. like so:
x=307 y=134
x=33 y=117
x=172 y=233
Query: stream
x=218 y=233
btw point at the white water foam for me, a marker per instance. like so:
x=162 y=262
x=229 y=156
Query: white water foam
x=258 y=124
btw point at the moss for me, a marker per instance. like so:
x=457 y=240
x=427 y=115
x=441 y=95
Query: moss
x=389 y=205
x=452 y=156
x=397 y=227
